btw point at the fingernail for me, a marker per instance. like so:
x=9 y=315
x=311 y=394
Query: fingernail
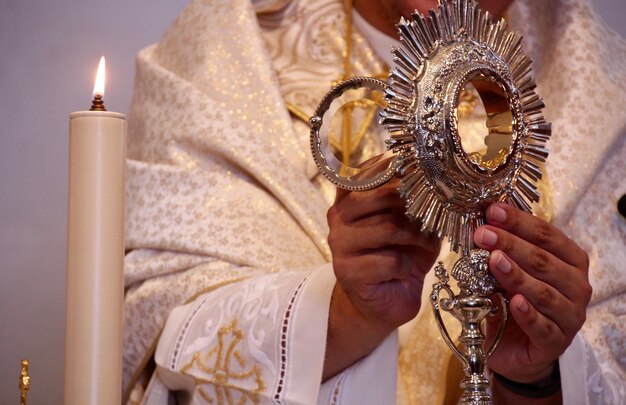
x=488 y=237
x=522 y=306
x=502 y=263
x=497 y=214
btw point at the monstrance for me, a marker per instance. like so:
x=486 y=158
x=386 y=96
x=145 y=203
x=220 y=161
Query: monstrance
x=455 y=49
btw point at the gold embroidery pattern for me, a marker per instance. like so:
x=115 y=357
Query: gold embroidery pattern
x=227 y=384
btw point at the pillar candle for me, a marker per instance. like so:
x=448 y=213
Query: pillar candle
x=95 y=292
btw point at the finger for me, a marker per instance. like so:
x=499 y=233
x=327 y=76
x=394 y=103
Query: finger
x=538 y=232
x=546 y=299
x=393 y=183
x=535 y=261
x=381 y=230
x=355 y=205
x=545 y=335
x=375 y=267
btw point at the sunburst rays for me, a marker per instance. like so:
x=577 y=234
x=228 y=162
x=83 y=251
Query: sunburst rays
x=420 y=118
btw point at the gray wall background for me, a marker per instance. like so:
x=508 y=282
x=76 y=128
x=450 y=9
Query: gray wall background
x=49 y=51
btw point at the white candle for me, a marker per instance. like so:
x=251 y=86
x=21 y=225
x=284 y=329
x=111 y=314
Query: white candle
x=95 y=292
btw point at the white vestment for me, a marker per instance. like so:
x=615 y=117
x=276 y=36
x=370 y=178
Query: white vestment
x=226 y=211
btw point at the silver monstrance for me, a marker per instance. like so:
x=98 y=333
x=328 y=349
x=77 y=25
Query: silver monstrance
x=447 y=188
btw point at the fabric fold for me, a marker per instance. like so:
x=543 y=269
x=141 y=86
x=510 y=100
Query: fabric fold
x=261 y=340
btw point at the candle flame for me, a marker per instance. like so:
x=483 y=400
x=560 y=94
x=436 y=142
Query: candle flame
x=98 y=88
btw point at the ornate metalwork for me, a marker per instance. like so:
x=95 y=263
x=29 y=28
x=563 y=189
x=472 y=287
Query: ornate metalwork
x=327 y=163
x=470 y=306
x=24 y=383
x=447 y=190
x=446 y=187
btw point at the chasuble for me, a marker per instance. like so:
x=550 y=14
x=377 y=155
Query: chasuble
x=226 y=211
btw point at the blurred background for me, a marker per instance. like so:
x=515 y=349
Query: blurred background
x=49 y=53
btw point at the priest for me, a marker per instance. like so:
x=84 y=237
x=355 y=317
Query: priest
x=243 y=286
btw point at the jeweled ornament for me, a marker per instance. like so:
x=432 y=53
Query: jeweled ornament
x=455 y=49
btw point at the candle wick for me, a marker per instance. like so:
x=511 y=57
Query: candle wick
x=97 y=104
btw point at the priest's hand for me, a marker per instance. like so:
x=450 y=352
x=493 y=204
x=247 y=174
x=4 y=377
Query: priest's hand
x=380 y=259
x=545 y=275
